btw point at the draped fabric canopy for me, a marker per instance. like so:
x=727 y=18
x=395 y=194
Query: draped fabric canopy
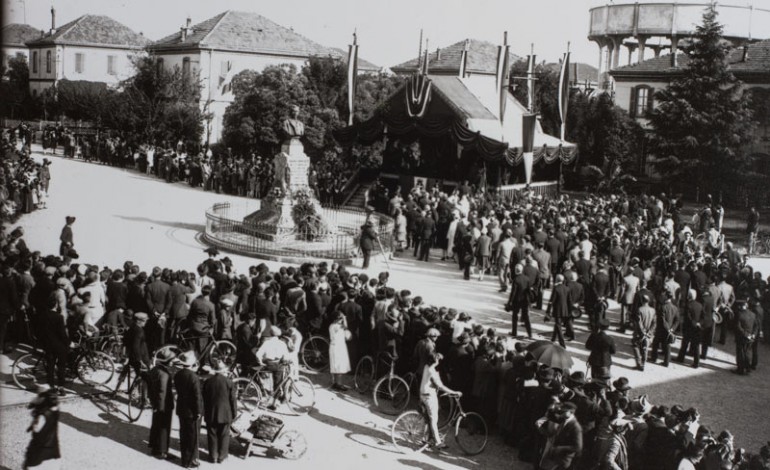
x=454 y=111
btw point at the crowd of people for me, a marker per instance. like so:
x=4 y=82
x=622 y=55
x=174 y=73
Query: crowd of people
x=636 y=250
x=240 y=175
x=23 y=182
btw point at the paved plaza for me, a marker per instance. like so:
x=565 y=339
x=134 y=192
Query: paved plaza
x=122 y=215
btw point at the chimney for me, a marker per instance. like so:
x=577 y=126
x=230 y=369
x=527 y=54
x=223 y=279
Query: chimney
x=53 y=20
x=186 y=29
x=438 y=53
x=674 y=59
x=745 y=57
x=189 y=22
x=184 y=33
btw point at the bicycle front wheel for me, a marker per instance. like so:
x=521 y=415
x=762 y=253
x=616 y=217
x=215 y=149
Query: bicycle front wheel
x=471 y=433
x=364 y=377
x=95 y=368
x=410 y=432
x=301 y=397
x=248 y=394
x=446 y=410
x=223 y=350
x=315 y=353
x=29 y=371
x=137 y=399
x=391 y=395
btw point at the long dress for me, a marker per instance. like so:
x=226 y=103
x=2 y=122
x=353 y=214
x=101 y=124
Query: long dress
x=450 y=236
x=339 y=361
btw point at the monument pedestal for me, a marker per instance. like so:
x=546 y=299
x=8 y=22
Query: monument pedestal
x=274 y=220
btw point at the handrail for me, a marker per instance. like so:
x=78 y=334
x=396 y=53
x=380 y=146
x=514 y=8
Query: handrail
x=352 y=182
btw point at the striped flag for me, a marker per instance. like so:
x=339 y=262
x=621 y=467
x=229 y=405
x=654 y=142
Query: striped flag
x=425 y=60
x=529 y=123
x=564 y=92
x=352 y=77
x=502 y=75
x=464 y=60
x=531 y=82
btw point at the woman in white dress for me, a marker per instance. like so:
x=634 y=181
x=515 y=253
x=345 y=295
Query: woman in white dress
x=450 y=235
x=339 y=361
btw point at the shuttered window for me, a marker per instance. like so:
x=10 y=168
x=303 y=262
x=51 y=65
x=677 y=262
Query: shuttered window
x=34 y=62
x=111 y=67
x=80 y=62
x=48 y=62
x=641 y=101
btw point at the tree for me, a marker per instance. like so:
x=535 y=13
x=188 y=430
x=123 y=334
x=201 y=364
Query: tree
x=546 y=93
x=702 y=120
x=14 y=88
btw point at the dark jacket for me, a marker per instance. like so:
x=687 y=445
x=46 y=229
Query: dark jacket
x=176 y=300
x=202 y=316
x=160 y=389
x=602 y=347
x=560 y=301
x=155 y=295
x=136 y=345
x=117 y=293
x=189 y=401
x=368 y=237
x=219 y=400
x=519 y=291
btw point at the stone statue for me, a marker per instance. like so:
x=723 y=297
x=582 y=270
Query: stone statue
x=293 y=127
x=281 y=172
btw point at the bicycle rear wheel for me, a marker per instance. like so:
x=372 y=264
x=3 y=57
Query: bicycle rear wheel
x=315 y=353
x=248 y=394
x=410 y=432
x=29 y=371
x=95 y=368
x=301 y=397
x=391 y=395
x=137 y=399
x=364 y=377
x=223 y=350
x=471 y=433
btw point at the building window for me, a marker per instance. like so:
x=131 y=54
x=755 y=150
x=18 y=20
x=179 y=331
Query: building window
x=48 y=62
x=80 y=62
x=111 y=60
x=186 y=67
x=641 y=101
x=34 y=62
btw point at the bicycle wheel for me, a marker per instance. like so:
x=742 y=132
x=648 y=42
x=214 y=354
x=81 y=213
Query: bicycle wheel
x=364 y=377
x=248 y=394
x=446 y=410
x=410 y=432
x=291 y=444
x=223 y=350
x=95 y=368
x=391 y=395
x=471 y=433
x=137 y=399
x=176 y=350
x=315 y=353
x=29 y=371
x=301 y=397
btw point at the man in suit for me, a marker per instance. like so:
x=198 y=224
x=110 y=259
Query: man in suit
x=691 y=330
x=53 y=337
x=176 y=302
x=559 y=306
x=483 y=252
x=66 y=238
x=9 y=304
x=189 y=406
x=202 y=317
x=136 y=346
x=600 y=290
x=161 y=397
x=155 y=296
x=665 y=326
x=565 y=438
x=518 y=302
x=644 y=328
x=427 y=229
x=220 y=407
x=367 y=241
x=417 y=216
x=543 y=259
x=707 y=320
x=746 y=332
x=602 y=347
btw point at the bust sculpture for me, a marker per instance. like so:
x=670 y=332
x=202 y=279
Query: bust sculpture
x=292 y=127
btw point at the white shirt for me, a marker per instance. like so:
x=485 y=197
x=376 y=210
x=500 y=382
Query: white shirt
x=273 y=349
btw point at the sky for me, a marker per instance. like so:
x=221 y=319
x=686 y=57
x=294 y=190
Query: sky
x=388 y=30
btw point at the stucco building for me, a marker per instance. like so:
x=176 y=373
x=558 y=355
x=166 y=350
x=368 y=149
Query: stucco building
x=14 y=40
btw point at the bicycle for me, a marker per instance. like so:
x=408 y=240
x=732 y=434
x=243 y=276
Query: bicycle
x=314 y=352
x=93 y=368
x=112 y=345
x=215 y=350
x=411 y=430
x=136 y=391
x=390 y=393
x=255 y=391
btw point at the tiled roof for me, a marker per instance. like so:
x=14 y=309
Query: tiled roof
x=96 y=30
x=584 y=71
x=482 y=58
x=17 y=34
x=758 y=62
x=363 y=64
x=244 y=32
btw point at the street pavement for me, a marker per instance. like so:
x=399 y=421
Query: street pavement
x=122 y=215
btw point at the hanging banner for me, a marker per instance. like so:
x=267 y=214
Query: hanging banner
x=529 y=122
x=352 y=76
x=503 y=73
x=564 y=93
x=417 y=94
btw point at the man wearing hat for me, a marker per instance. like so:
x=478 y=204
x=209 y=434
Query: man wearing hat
x=272 y=352
x=136 y=344
x=189 y=407
x=691 y=330
x=667 y=319
x=159 y=391
x=220 y=407
x=746 y=331
x=602 y=347
x=43 y=450
x=560 y=304
x=66 y=237
x=564 y=438
x=518 y=301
